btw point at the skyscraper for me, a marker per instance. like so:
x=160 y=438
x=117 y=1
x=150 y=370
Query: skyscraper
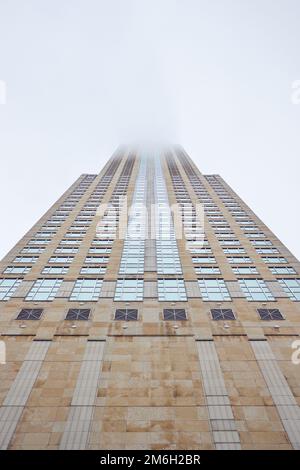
x=150 y=328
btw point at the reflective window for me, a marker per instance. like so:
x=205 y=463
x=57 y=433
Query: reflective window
x=93 y=270
x=61 y=259
x=233 y=250
x=171 y=290
x=26 y=259
x=129 y=289
x=33 y=249
x=66 y=249
x=274 y=259
x=96 y=259
x=244 y=270
x=8 y=287
x=86 y=290
x=213 y=289
x=55 y=270
x=17 y=269
x=207 y=270
x=241 y=259
x=255 y=289
x=261 y=242
x=282 y=270
x=203 y=259
x=266 y=250
x=291 y=287
x=44 y=289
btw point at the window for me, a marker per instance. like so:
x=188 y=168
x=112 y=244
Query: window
x=17 y=269
x=126 y=314
x=274 y=259
x=174 y=314
x=93 y=270
x=213 y=289
x=55 y=270
x=40 y=241
x=246 y=222
x=171 y=290
x=33 y=249
x=168 y=264
x=204 y=250
x=70 y=242
x=261 y=242
x=265 y=251
x=30 y=314
x=245 y=270
x=44 y=235
x=86 y=290
x=233 y=250
x=291 y=287
x=129 y=289
x=203 y=259
x=255 y=290
x=75 y=234
x=65 y=249
x=225 y=235
x=26 y=259
x=61 y=259
x=8 y=287
x=44 y=289
x=249 y=228
x=102 y=242
x=229 y=242
x=78 y=314
x=255 y=235
x=96 y=259
x=241 y=259
x=270 y=314
x=207 y=270
x=99 y=250
x=282 y=270
x=222 y=314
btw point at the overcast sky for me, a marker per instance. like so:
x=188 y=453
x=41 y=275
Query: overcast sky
x=216 y=76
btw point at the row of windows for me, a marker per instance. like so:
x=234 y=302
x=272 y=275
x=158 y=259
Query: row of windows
x=169 y=314
x=192 y=227
x=64 y=259
x=132 y=260
x=168 y=289
x=167 y=255
x=56 y=269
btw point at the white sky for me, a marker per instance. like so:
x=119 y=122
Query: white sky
x=83 y=76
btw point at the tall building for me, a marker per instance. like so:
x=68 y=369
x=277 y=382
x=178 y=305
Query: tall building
x=150 y=332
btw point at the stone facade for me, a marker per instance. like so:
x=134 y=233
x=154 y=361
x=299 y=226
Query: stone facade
x=150 y=383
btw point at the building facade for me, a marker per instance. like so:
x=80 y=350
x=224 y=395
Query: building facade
x=152 y=331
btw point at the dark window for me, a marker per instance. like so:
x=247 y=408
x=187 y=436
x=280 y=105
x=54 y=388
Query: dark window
x=30 y=314
x=126 y=314
x=174 y=314
x=222 y=314
x=78 y=314
x=270 y=314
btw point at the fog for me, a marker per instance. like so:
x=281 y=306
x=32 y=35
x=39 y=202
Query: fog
x=216 y=76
